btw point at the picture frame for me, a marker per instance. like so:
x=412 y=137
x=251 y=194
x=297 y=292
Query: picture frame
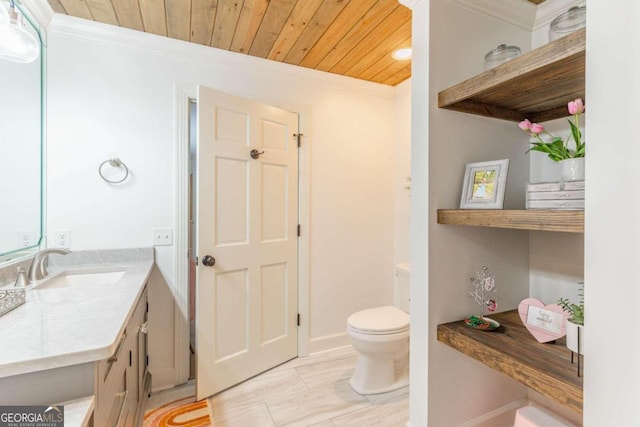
x=484 y=185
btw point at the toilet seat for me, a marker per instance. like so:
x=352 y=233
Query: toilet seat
x=379 y=321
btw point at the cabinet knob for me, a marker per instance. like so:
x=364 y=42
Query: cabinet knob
x=144 y=328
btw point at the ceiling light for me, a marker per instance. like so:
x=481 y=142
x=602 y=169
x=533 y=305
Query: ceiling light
x=16 y=43
x=402 y=54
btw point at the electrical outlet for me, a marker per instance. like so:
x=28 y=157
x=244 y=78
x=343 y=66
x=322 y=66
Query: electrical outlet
x=62 y=239
x=162 y=237
x=26 y=238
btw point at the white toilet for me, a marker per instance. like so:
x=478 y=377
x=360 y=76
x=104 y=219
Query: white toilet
x=380 y=336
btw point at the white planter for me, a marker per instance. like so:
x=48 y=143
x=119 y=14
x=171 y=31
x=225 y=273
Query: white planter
x=572 y=169
x=575 y=334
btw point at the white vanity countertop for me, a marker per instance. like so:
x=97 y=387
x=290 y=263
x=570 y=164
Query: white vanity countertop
x=69 y=325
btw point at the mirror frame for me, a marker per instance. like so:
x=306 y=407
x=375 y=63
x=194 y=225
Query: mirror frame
x=25 y=252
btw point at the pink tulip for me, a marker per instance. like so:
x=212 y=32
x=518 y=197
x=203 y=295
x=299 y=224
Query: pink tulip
x=576 y=106
x=525 y=125
x=536 y=128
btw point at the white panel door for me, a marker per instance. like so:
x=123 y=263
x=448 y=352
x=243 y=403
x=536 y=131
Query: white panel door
x=247 y=217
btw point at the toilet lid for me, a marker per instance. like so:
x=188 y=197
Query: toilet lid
x=387 y=319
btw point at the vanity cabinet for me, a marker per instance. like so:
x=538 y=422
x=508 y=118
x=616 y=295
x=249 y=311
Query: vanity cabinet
x=119 y=383
x=122 y=381
x=536 y=86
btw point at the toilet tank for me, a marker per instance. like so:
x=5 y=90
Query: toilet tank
x=401 y=286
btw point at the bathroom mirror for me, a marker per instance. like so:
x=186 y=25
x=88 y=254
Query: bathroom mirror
x=21 y=155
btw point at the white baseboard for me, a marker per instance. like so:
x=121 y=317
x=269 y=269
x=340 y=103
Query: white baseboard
x=328 y=342
x=163 y=379
x=503 y=416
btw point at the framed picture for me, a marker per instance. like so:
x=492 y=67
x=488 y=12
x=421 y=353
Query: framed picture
x=484 y=185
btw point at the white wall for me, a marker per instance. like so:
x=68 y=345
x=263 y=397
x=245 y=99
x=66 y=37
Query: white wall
x=402 y=168
x=457 y=52
x=612 y=229
x=111 y=93
x=556 y=259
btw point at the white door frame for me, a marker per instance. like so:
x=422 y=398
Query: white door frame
x=182 y=96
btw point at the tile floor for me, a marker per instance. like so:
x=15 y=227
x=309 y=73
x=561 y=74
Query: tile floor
x=312 y=391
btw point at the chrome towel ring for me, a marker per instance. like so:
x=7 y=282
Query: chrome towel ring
x=116 y=163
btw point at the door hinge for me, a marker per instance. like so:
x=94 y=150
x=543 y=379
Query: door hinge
x=299 y=136
x=298 y=230
x=298 y=319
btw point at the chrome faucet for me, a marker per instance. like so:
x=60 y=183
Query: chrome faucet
x=37 y=270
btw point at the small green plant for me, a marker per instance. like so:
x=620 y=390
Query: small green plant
x=576 y=311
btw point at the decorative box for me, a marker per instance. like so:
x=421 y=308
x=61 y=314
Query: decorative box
x=555 y=195
x=11 y=298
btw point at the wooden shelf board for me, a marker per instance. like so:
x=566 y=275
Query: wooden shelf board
x=512 y=350
x=530 y=219
x=536 y=85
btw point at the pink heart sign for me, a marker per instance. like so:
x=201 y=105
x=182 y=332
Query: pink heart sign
x=545 y=322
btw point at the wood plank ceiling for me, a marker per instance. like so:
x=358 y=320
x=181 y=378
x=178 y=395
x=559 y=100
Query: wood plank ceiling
x=349 y=37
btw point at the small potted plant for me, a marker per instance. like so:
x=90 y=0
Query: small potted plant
x=557 y=149
x=575 y=323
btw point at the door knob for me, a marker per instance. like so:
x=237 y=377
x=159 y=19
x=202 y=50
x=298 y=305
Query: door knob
x=255 y=154
x=209 y=261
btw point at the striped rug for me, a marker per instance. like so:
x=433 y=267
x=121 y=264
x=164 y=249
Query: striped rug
x=183 y=412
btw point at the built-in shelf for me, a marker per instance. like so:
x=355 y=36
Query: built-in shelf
x=530 y=219
x=536 y=85
x=511 y=350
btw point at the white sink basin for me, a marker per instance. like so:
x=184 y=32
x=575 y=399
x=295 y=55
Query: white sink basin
x=83 y=279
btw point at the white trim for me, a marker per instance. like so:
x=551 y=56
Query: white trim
x=181 y=247
x=41 y=11
x=520 y=13
x=304 y=219
x=208 y=56
x=181 y=111
x=511 y=407
x=162 y=379
x=548 y=10
x=328 y=342
x=409 y=3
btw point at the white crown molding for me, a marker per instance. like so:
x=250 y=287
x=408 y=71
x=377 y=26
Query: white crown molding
x=409 y=3
x=548 y=10
x=520 y=13
x=217 y=58
x=41 y=11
